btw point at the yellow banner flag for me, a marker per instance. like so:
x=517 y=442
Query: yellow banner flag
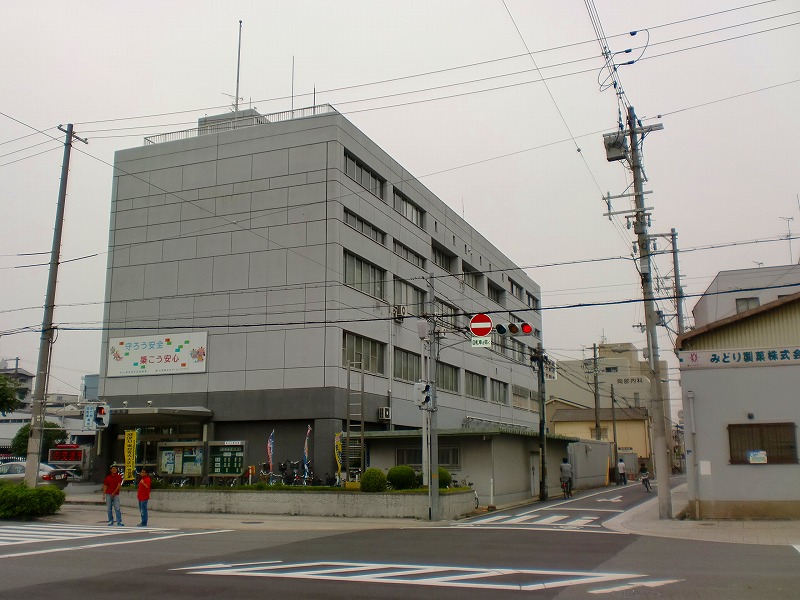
x=130 y=455
x=337 y=450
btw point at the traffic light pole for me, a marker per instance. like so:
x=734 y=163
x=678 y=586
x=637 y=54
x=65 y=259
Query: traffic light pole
x=43 y=365
x=645 y=269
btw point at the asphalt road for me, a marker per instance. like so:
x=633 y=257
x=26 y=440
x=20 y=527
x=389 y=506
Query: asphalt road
x=513 y=556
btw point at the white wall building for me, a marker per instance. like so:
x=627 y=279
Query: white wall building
x=733 y=292
x=740 y=379
x=249 y=262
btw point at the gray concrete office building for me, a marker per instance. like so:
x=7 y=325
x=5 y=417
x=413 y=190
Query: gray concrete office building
x=252 y=260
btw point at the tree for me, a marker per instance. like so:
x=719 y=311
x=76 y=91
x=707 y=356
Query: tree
x=53 y=434
x=9 y=397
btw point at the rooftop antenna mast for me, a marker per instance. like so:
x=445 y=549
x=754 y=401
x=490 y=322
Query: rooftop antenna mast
x=238 y=64
x=789 y=235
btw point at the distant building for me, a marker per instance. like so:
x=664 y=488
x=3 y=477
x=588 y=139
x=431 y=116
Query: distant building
x=22 y=377
x=734 y=292
x=632 y=424
x=90 y=385
x=618 y=365
x=740 y=379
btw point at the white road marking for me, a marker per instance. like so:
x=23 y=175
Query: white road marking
x=403 y=574
x=614 y=499
x=630 y=586
x=797 y=547
x=117 y=543
x=550 y=520
x=584 y=522
x=28 y=534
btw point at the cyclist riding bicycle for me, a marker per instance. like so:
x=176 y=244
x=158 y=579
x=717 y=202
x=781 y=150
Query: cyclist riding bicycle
x=644 y=475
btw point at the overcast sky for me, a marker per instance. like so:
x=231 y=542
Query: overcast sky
x=446 y=88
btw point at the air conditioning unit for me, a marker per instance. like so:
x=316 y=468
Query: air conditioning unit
x=399 y=312
x=384 y=413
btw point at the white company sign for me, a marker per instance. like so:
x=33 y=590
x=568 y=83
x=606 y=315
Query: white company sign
x=157 y=355
x=751 y=357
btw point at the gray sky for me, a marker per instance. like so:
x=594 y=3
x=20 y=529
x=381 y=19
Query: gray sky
x=447 y=89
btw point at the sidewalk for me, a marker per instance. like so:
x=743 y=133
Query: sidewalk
x=85 y=506
x=643 y=520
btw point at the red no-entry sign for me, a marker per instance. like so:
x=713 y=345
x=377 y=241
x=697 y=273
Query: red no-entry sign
x=480 y=325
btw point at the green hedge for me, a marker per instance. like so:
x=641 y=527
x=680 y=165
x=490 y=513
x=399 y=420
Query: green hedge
x=402 y=477
x=373 y=480
x=22 y=502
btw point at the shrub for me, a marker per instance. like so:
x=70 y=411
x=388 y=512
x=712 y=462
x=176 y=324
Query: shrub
x=373 y=480
x=402 y=477
x=445 y=479
x=22 y=502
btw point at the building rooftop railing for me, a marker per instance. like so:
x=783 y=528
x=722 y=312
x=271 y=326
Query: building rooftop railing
x=216 y=126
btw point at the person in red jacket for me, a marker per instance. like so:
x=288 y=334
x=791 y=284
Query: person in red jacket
x=143 y=494
x=111 y=485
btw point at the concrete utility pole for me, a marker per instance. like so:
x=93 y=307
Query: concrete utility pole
x=46 y=340
x=538 y=357
x=597 y=433
x=614 y=431
x=651 y=321
x=433 y=360
x=678 y=287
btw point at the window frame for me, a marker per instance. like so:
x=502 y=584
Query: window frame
x=738 y=449
x=470 y=379
x=375 y=352
x=411 y=367
x=447 y=377
x=442 y=259
x=354 y=268
x=360 y=225
x=409 y=209
x=364 y=175
x=408 y=254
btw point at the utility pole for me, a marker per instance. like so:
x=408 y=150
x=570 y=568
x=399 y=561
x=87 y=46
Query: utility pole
x=43 y=365
x=651 y=321
x=678 y=287
x=614 y=431
x=433 y=360
x=597 y=434
x=538 y=357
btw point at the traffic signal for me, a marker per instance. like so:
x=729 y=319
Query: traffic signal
x=422 y=391
x=102 y=415
x=522 y=328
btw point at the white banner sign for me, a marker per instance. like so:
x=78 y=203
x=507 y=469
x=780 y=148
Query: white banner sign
x=157 y=355
x=755 y=357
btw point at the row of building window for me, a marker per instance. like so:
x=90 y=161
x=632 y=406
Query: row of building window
x=449 y=457
x=363 y=175
x=369 y=179
x=362 y=226
x=358 y=350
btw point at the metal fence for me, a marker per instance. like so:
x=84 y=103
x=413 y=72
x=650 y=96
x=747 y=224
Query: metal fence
x=210 y=127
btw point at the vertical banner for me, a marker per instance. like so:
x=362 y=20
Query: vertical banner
x=130 y=455
x=270 y=449
x=337 y=450
x=305 y=453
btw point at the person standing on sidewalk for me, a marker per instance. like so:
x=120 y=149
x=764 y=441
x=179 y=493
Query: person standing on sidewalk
x=566 y=475
x=622 y=478
x=111 y=486
x=143 y=494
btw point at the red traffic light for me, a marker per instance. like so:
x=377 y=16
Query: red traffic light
x=518 y=328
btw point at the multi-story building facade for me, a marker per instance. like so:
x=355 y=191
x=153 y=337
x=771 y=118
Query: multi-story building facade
x=618 y=365
x=257 y=268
